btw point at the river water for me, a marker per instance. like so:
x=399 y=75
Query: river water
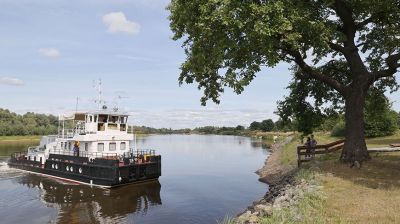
x=204 y=178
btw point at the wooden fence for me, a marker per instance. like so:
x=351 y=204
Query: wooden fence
x=318 y=149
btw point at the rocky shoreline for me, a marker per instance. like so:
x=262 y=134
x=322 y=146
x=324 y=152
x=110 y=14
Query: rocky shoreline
x=283 y=190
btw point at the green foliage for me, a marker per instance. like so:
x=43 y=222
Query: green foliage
x=149 y=130
x=267 y=125
x=312 y=103
x=339 y=129
x=27 y=124
x=227 y=41
x=398 y=120
x=380 y=119
x=340 y=49
x=285 y=126
x=255 y=126
x=210 y=130
x=240 y=128
x=331 y=122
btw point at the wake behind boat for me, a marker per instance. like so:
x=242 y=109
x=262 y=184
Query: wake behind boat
x=95 y=151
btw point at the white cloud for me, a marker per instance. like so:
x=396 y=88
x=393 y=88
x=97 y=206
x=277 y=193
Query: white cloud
x=117 y=22
x=11 y=81
x=49 y=52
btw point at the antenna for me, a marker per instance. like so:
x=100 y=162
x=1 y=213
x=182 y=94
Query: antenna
x=97 y=86
x=77 y=102
x=117 y=100
x=99 y=89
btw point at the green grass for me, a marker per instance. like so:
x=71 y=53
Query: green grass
x=20 y=138
x=289 y=151
x=383 y=141
x=226 y=220
x=307 y=209
x=376 y=186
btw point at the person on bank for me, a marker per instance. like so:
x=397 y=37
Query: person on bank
x=308 y=147
x=76 y=148
x=313 y=144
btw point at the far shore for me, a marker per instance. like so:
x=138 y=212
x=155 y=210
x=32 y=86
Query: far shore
x=19 y=138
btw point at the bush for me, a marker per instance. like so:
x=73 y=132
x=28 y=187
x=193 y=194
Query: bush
x=339 y=130
x=384 y=126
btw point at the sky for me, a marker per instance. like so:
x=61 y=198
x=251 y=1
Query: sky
x=52 y=51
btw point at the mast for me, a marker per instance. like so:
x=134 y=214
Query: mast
x=99 y=100
x=99 y=92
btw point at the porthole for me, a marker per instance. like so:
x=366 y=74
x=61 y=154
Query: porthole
x=71 y=169
x=67 y=168
x=56 y=166
x=80 y=170
x=52 y=166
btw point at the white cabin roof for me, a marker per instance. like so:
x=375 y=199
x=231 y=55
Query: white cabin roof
x=79 y=115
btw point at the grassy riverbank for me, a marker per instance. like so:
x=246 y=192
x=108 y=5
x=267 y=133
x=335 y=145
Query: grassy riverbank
x=19 y=138
x=367 y=195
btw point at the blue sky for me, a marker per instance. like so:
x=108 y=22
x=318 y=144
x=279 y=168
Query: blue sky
x=51 y=51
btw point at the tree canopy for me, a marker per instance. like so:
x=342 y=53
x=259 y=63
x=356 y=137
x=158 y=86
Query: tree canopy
x=346 y=45
x=27 y=124
x=226 y=41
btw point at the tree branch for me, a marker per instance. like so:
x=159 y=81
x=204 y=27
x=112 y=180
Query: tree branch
x=346 y=16
x=393 y=63
x=338 y=47
x=369 y=20
x=298 y=59
x=365 y=22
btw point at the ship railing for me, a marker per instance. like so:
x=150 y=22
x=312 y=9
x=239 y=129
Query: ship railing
x=84 y=154
x=134 y=154
x=142 y=152
x=69 y=133
x=17 y=155
x=138 y=157
x=35 y=149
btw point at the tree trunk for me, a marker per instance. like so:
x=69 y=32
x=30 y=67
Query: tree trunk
x=355 y=148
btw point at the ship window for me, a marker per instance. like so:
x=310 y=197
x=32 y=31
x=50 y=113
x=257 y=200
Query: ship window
x=95 y=118
x=123 y=146
x=113 y=119
x=100 y=147
x=112 y=126
x=122 y=127
x=101 y=127
x=123 y=120
x=90 y=118
x=113 y=146
x=86 y=146
x=103 y=118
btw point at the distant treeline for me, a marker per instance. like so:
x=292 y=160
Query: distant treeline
x=149 y=130
x=27 y=124
x=265 y=126
x=379 y=123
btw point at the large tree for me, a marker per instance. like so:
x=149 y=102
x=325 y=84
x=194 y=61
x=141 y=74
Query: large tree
x=228 y=41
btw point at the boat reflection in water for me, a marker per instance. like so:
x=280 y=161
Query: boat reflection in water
x=84 y=204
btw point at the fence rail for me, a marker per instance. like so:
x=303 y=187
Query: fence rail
x=303 y=151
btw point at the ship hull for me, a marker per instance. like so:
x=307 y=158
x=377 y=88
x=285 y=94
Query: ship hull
x=96 y=172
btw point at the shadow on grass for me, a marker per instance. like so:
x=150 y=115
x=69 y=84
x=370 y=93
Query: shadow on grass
x=382 y=171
